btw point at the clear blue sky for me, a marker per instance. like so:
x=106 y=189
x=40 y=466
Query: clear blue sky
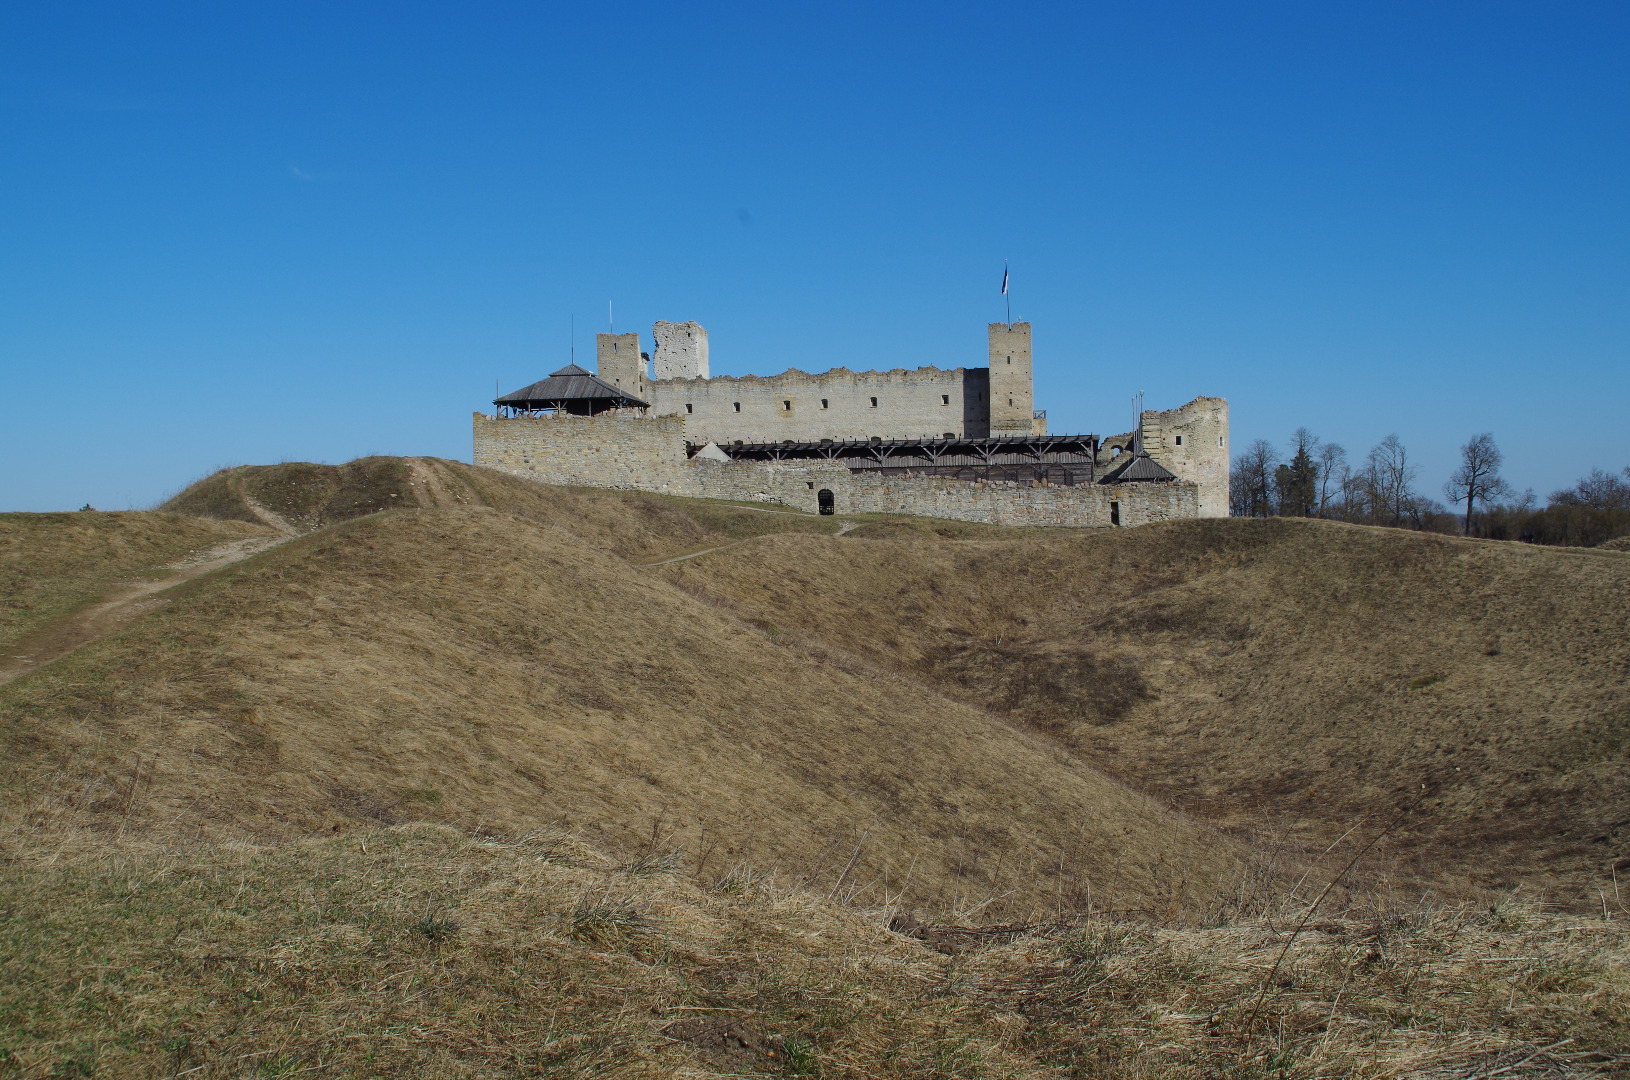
x=236 y=233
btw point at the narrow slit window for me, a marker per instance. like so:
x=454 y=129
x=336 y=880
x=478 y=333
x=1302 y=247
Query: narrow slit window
x=737 y=405
x=945 y=399
x=689 y=408
x=786 y=406
x=823 y=403
x=874 y=403
x=1179 y=440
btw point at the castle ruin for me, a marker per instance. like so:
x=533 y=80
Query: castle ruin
x=960 y=443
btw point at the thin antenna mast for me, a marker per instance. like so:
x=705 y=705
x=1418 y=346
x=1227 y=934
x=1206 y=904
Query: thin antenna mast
x=574 y=337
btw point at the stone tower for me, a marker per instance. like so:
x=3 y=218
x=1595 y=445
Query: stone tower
x=681 y=351
x=1193 y=443
x=618 y=361
x=1012 y=394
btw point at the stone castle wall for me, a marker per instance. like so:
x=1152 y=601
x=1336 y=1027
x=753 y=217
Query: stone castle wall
x=614 y=449
x=926 y=403
x=622 y=450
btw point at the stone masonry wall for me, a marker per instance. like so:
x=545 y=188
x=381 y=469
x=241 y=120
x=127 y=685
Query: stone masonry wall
x=838 y=404
x=614 y=449
x=1012 y=390
x=681 y=351
x=1192 y=441
x=618 y=361
x=631 y=452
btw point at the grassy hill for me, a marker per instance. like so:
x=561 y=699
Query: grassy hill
x=1296 y=675
x=474 y=777
x=507 y=666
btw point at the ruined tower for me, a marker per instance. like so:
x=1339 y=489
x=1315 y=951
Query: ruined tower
x=1012 y=394
x=1193 y=443
x=618 y=361
x=681 y=351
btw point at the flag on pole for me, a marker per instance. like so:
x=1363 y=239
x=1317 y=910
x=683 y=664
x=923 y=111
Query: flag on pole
x=1004 y=279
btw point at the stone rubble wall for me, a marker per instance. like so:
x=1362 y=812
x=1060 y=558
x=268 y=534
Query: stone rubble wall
x=648 y=454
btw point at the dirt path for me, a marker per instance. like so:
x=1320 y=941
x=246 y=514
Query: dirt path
x=120 y=606
x=693 y=555
x=268 y=517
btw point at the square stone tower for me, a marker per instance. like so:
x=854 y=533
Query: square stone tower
x=681 y=351
x=1012 y=392
x=617 y=360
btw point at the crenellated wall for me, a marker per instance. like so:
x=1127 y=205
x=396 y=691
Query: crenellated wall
x=926 y=403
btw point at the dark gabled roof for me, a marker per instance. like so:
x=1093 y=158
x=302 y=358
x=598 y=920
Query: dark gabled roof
x=570 y=383
x=1142 y=468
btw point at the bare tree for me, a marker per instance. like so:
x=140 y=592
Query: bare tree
x=1251 y=480
x=1478 y=477
x=1391 y=478
x=1332 y=466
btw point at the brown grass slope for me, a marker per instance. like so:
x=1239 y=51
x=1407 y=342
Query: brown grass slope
x=485 y=669
x=52 y=563
x=420 y=951
x=200 y=874
x=1309 y=674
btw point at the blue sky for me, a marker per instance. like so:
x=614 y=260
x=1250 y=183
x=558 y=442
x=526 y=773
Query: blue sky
x=237 y=234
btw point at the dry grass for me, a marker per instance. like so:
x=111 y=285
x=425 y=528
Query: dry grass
x=52 y=563
x=420 y=951
x=1279 y=673
x=470 y=790
x=480 y=669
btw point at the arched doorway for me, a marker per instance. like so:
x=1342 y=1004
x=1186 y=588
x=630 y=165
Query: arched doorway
x=826 y=500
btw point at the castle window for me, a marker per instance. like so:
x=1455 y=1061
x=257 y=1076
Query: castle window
x=1114 y=513
x=786 y=406
x=1180 y=440
x=874 y=403
x=1219 y=440
x=945 y=399
x=688 y=407
x=811 y=484
x=737 y=404
x=823 y=403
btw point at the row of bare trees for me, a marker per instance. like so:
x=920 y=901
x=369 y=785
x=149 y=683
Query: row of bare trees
x=1316 y=479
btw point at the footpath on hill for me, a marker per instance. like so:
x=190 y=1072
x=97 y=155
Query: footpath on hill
x=119 y=605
